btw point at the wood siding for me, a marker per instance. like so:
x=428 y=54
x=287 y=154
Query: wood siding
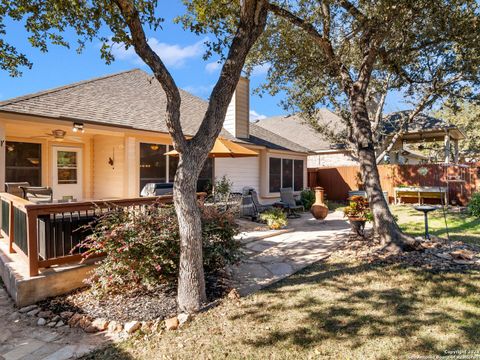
x=237 y=119
x=241 y=171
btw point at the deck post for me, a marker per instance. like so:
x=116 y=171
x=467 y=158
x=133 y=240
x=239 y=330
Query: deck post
x=447 y=148
x=11 y=227
x=32 y=243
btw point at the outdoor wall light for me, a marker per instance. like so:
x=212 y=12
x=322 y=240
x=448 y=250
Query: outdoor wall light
x=78 y=127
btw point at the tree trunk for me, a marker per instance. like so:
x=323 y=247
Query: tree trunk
x=384 y=222
x=191 y=281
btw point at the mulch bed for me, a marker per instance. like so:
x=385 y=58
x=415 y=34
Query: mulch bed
x=157 y=303
x=436 y=255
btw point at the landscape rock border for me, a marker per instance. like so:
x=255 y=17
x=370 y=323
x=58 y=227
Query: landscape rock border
x=69 y=319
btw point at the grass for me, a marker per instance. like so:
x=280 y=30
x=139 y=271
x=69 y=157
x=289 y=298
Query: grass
x=462 y=226
x=340 y=309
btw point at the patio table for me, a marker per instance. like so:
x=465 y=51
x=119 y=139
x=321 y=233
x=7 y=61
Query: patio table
x=421 y=193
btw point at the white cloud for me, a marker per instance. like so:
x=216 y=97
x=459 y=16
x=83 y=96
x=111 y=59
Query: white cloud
x=171 y=54
x=256 y=116
x=212 y=67
x=261 y=69
x=199 y=90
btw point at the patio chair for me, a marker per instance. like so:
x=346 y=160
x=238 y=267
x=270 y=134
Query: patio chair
x=289 y=203
x=15 y=188
x=260 y=207
x=37 y=194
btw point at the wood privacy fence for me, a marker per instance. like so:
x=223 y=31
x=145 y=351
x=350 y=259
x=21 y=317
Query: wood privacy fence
x=462 y=180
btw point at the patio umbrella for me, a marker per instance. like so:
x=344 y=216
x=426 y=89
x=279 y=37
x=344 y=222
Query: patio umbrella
x=224 y=148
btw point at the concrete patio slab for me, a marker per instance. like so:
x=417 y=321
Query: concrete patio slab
x=270 y=259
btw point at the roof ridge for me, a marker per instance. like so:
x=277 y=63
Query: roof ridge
x=281 y=137
x=63 y=87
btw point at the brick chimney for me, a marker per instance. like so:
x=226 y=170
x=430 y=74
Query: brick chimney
x=237 y=119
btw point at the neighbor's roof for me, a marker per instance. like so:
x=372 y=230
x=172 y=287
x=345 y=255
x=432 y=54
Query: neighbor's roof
x=297 y=130
x=421 y=124
x=132 y=99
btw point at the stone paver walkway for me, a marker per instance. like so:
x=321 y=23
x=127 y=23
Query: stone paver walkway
x=274 y=258
x=22 y=339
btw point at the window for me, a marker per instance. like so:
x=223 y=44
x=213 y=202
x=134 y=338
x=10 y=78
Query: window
x=153 y=164
x=298 y=175
x=275 y=174
x=67 y=167
x=155 y=167
x=285 y=173
x=23 y=163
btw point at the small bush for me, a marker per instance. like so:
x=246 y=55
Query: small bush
x=307 y=197
x=275 y=218
x=143 y=247
x=474 y=205
x=358 y=208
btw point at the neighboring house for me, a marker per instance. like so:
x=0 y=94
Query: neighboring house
x=328 y=153
x=324 y=152
x=105 y=138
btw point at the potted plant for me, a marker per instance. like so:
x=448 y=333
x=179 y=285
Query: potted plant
x=275 y=218
x=358 y=213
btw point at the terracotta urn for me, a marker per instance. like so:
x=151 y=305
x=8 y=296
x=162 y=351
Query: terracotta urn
x=319 y=210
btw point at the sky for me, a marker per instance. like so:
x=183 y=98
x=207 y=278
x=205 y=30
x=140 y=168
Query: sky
x=180 y=49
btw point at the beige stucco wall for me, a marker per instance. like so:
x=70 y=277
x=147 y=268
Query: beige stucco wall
x=108 y=180
x=2 y=155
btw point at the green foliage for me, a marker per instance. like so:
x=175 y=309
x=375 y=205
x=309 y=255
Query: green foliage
x=47 y=22
x=474 y=205
x=307 y=197
x=358 y=208
x=275 y=218
x=466 y=116
x=142 y=247
x=222 y=188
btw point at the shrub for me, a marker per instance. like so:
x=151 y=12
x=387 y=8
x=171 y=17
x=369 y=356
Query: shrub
x=143 y=247
x=275 y=218
x=307 y=197
x=358 y=208
x=474 y=205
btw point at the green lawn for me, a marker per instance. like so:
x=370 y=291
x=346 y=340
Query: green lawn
x=461 y=226
x=341 y=309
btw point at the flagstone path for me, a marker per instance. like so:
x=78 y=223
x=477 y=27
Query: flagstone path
x=276 y=257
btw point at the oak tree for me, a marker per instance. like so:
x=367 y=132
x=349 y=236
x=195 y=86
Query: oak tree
x=125 y=22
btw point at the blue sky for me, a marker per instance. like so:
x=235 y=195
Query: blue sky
x=181 y=51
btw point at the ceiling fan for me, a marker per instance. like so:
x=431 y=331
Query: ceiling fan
x=59 y=135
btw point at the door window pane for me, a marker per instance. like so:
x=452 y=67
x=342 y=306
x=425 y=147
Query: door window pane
x=298 y=175
x=287 y=173
x=23 y=163
x=67 y=167
x=275 y=169
x=153 y=164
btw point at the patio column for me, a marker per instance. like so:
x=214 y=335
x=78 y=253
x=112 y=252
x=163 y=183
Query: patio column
x=455 y=151
x=447 y=148
x=3 y=147
x=131 y=167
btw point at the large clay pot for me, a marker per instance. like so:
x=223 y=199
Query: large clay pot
x=319 y=210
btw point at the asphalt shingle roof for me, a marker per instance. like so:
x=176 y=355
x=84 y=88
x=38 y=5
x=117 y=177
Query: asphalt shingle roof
x=298 y=131
x=132 y=99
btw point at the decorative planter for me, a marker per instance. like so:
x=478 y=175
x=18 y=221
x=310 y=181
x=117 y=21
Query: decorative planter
x=319 y=210
x=358 y=225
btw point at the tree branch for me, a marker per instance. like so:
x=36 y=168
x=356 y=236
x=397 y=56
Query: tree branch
x=150 y=57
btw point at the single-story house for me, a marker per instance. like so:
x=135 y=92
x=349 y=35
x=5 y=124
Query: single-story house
x=105 y=138
x=327 y=152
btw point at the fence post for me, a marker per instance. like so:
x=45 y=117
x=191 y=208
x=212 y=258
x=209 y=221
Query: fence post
x=32 y=242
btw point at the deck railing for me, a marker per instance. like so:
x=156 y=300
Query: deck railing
x=45 y=234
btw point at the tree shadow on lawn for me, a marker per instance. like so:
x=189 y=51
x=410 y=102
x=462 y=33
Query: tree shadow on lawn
x=372 y=303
